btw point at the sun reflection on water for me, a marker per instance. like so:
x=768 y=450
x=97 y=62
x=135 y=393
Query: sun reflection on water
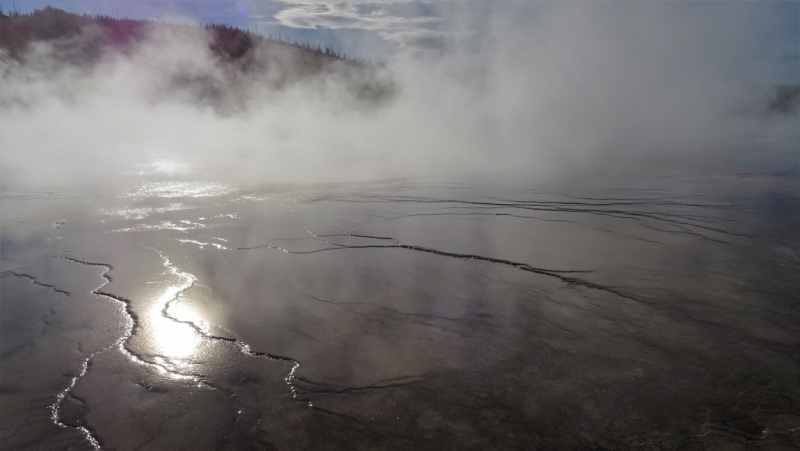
x=174 y=189
x=172 y=337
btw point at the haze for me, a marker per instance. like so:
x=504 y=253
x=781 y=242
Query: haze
x=524 y=89
x=425 y=226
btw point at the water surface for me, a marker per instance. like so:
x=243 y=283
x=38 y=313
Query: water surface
x=169 y=312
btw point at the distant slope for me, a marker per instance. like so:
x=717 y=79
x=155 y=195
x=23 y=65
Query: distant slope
x=85 y=40
x=785 y=99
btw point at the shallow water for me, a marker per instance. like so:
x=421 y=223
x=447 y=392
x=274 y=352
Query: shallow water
x=622 y=313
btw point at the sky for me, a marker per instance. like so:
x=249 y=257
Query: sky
x=376 y=29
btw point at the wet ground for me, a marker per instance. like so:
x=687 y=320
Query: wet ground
x=167 y=313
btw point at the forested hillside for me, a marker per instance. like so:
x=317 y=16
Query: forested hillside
x=246 y=58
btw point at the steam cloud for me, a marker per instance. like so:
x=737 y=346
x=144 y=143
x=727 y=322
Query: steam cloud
x=534 y=91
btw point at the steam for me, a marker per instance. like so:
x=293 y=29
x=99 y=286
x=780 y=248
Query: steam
x=535 y=91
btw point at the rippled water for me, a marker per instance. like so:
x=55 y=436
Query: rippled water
x=626 y=313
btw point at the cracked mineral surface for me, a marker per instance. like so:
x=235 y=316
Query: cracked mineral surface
x=407 y=315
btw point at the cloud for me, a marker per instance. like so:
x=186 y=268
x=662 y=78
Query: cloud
x=420 y=38
x=342 y=15
x=409 y=30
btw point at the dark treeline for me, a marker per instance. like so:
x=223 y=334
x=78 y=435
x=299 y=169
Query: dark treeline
x=254 y=59
x=18 y=31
